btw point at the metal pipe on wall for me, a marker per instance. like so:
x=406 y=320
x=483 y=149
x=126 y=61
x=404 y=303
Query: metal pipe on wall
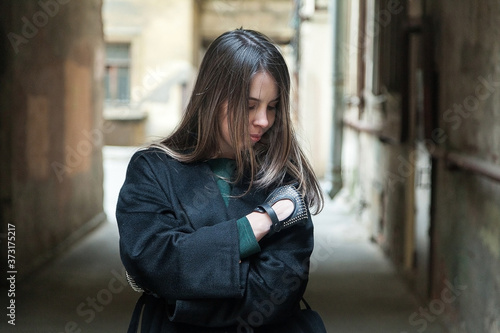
x=460 y=161
x=453 y=160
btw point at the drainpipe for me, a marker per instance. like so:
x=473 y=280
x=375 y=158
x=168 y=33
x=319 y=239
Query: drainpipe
x=338 y=17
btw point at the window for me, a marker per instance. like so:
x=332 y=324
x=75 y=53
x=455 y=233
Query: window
x=117 y=77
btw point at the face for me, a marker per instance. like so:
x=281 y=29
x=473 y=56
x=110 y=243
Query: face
x=261 y=112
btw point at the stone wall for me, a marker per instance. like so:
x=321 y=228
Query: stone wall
x=51 y=128
x=467 y=213
x=273 y=18
x=462 y=89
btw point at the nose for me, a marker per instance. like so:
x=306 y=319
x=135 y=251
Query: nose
x=261 y=118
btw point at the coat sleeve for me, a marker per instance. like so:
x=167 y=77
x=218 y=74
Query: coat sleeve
x=200 y=270
x=275 y=280
x=160 y=249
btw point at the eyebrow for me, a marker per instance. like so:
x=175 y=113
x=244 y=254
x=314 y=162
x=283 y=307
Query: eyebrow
x=258 y=100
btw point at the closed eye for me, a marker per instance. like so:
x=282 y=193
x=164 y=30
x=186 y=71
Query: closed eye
x=254 y=103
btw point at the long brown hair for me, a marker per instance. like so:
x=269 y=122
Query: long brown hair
x=225 y=75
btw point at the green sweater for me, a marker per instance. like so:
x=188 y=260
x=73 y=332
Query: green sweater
x=224 y=169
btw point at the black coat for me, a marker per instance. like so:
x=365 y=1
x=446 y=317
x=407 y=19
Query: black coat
x=180 y=241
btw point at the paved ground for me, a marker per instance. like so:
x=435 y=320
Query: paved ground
x=352 y=284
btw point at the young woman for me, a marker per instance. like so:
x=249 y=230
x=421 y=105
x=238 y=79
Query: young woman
x=214 y=220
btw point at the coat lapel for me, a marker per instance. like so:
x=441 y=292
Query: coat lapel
x=199 y=196
x=201 y=200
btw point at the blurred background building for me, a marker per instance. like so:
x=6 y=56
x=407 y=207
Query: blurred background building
x=149 y=69
x=395 y=101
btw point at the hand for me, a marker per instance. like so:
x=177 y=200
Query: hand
x=283 y=208
x=261 y=222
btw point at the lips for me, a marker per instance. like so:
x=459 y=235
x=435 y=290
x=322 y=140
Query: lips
x=255 y=137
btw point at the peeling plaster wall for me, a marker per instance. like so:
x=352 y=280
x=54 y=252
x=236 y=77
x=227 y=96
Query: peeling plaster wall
x=383 y=174
x=51 y=102
x=465 y=258
x=467 y=213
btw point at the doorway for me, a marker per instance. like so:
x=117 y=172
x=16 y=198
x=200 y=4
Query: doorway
x=420 y=82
